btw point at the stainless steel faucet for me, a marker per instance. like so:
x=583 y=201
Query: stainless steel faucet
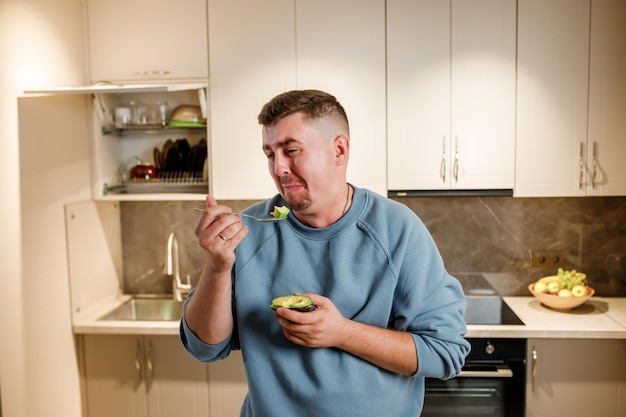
x=172 y=269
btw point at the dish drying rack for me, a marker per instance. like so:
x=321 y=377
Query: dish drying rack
x=167 y=182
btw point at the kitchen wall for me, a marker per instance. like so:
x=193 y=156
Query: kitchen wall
x=41 y=44
x=491 y=235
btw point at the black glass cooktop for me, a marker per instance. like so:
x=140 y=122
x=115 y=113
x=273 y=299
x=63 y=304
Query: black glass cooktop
x=484 y=305
x=489 y=310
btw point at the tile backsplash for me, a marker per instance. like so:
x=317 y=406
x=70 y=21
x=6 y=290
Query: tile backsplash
x=495 y=236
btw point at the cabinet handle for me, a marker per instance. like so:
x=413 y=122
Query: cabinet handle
x=581 y=162
x=444 y=157
x=534 y=368
x=594 y=164
x=456 y=158
x=150 y=370
x=138 y=361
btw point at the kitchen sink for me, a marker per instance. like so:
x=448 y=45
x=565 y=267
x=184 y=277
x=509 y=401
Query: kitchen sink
x=152 y=309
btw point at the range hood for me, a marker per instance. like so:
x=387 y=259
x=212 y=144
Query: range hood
x=450 y=193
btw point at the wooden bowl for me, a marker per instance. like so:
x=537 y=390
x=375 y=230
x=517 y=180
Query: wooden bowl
x=556 y=302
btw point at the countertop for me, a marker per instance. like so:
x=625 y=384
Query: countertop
x=598 y=318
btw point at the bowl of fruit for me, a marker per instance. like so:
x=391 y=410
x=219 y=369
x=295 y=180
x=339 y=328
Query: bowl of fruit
x=564 y=291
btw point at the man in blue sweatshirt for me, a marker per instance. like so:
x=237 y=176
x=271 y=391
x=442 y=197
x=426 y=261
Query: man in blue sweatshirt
x=387 y=313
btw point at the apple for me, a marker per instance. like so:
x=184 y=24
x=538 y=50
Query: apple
x=579 y=291
x=553 y=287
x=540 y=286
x=565 y=293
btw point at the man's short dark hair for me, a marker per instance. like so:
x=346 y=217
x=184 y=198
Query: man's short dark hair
x=313 y=104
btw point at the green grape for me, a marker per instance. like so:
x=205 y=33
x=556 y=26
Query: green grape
x=570 y=279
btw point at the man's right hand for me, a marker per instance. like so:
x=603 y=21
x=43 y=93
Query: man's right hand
x=218 y=234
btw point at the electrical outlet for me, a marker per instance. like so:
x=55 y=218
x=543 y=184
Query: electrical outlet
x=547 y=258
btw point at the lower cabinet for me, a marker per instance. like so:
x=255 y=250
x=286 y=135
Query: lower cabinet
x=576 y=377
x=228 y=386
x=142 y=376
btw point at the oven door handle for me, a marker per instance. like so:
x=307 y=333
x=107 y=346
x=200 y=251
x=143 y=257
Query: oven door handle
x=499 y=372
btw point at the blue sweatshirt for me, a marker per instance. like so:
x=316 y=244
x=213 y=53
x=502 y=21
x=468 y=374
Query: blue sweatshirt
x=378 y=265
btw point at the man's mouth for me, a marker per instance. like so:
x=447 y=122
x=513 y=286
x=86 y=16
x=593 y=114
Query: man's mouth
x=291 y=186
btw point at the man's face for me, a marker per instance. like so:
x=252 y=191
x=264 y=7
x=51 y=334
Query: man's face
x=302 y=160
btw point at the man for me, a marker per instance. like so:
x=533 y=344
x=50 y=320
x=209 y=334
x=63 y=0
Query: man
x=387 y=314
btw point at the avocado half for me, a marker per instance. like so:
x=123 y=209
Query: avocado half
x=300 y=303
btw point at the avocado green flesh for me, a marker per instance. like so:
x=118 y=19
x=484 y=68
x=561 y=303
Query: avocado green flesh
x=280 y=212
x=293 y=302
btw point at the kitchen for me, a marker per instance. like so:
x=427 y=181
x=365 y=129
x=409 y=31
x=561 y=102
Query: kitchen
x=46 y=49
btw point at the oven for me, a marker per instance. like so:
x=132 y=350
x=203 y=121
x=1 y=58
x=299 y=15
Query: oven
x=491 y=384
x=493 y=381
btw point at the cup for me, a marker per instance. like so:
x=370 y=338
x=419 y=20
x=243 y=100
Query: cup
x=139 y=112
x=121 y=117
x=162 y=112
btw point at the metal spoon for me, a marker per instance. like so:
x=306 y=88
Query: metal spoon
x=268 y=219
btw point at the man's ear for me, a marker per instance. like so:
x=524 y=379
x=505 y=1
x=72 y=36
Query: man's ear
x=342 y=149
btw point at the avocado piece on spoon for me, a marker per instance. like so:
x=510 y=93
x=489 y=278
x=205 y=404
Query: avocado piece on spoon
x=280 y=212
x=300 y=303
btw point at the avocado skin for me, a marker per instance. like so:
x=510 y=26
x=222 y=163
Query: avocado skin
x=301 y=309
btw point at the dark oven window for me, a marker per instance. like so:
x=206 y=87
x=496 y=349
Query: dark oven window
x=491 y=384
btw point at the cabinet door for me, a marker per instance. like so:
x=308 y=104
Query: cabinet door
x=350 y=64
x=252 y=58
x=606 y=146
x=418 y=94
x=114 y=376
x=451 y=94
x=553 y=69
x=575 y=377
x=482 y=147
x=228 y=386
x=177 y=384
x=147 y=39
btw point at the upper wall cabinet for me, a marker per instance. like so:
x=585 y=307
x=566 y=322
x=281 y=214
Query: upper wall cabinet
x=138 y=40
x=571 y=98
x=451 y=94
x=261 y=49
x=161 y=153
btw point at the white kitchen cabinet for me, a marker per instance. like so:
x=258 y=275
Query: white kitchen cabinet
x=259 y=50
x=571 y=98
x=147 y=376
x=113 y=151
x=139 y=40
x=576 y=377
x=451 y=94
x=606 y=147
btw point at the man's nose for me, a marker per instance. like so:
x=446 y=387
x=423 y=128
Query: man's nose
x=281 y=165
